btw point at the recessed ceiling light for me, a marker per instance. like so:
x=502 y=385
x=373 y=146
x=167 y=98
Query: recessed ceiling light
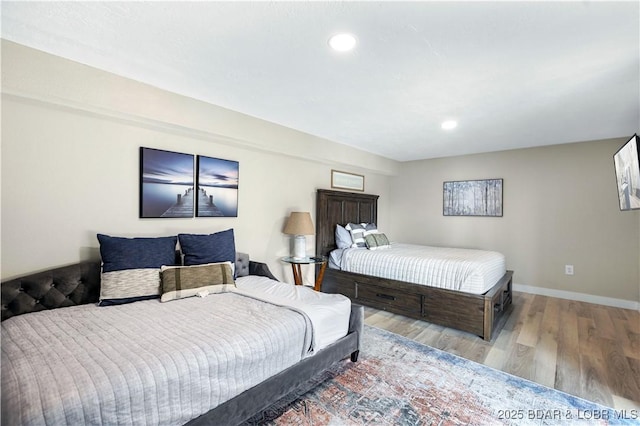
x=449 y=124
x=342 y=42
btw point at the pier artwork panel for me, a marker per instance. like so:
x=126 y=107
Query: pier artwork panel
x=217 y=187
x=166 y=184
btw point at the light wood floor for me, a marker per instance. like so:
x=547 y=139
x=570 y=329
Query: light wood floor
x=590 y=351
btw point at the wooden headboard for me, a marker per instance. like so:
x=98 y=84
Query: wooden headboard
x=338 y=207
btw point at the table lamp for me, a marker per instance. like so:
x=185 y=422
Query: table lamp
x=299 y=224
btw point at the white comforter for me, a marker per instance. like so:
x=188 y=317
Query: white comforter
x=466 y=270
x=146 y=362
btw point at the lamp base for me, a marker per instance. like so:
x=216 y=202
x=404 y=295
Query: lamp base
x=299 y=247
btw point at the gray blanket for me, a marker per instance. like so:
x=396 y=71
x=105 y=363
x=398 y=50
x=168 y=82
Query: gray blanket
x=143 y=363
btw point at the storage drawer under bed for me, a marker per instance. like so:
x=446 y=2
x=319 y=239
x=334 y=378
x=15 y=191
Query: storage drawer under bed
x=388 y=299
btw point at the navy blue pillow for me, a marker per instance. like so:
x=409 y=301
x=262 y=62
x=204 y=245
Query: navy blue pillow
x=211 y=248
x=131 y=267
x=135 y=253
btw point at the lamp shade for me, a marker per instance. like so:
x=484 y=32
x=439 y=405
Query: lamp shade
x=299 y=223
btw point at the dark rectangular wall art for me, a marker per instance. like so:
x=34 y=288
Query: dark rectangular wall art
x=217 y=183
x=166 y=184
x=473 y=198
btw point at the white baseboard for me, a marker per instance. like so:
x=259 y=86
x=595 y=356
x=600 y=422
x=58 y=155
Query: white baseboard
x=581 y=297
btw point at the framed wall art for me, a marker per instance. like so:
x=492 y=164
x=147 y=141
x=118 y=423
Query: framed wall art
x=166 y=184
x=217 y=183
x=344 y=180
x=627 y=166
x=473 y=198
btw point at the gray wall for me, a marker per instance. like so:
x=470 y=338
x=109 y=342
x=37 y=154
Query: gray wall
x=70 y=164
x=560 y=207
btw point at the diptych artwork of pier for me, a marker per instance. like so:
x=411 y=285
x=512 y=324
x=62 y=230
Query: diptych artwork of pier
x=166 y=183
x=169 y=188
x=184 y=205
x=206 y=206
x=217 y=183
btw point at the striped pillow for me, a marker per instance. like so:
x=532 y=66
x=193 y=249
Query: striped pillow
x=186 y=281
x=377 y=241
x=359 y=231
x=131 y=267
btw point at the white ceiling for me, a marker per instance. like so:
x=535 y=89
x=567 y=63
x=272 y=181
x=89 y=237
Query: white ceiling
x=513 y=74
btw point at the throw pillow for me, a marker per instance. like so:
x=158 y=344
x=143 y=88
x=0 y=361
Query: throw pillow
x=358 y=231
x=377 y=241
x=343 y=237
x=131 y=267
x=211 y=248
x=186 y=281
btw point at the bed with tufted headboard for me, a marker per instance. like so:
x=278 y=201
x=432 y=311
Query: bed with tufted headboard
x=42 y=302
x=479 y=314
x=79 y=284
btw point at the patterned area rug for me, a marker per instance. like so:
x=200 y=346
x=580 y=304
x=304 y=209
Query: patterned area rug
x=401 y=382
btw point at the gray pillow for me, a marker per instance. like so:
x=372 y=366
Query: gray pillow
x=358 y=231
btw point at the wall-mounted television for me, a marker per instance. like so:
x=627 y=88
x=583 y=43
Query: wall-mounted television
x=628 y=174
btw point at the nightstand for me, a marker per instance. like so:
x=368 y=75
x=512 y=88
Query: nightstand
x=297 y=273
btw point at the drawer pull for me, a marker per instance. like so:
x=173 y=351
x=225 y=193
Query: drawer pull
x=385 y=296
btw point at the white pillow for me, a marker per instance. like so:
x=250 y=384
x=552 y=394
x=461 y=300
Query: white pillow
x=343 y=237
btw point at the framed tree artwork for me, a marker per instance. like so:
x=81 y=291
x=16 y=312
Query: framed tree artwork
x=473 y=198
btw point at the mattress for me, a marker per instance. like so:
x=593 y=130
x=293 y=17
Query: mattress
x=149 y=362
x=465 y=270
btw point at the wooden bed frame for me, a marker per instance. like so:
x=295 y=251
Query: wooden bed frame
x=478 y=314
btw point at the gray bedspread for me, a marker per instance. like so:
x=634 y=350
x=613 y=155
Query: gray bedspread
x=143 y=363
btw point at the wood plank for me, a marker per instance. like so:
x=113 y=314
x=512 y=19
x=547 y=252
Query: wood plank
x=551 y=317
x=520 y=361
x=568 y=368
x=462 y=344
x=578 y=308
x=629 y=341
x=604 y=324
x=633 y=319
x=430 y=335
x=496 y=358
x=594 y=380
x=587 y=337
x=617 y=313
x=545 y=360
x=634 y=364
x=538 y=305
x=529 y=333
x=620 y=381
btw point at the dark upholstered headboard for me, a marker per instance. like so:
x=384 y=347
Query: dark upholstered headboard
x=338 y=207
x=77 y=284
x=56 y=288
